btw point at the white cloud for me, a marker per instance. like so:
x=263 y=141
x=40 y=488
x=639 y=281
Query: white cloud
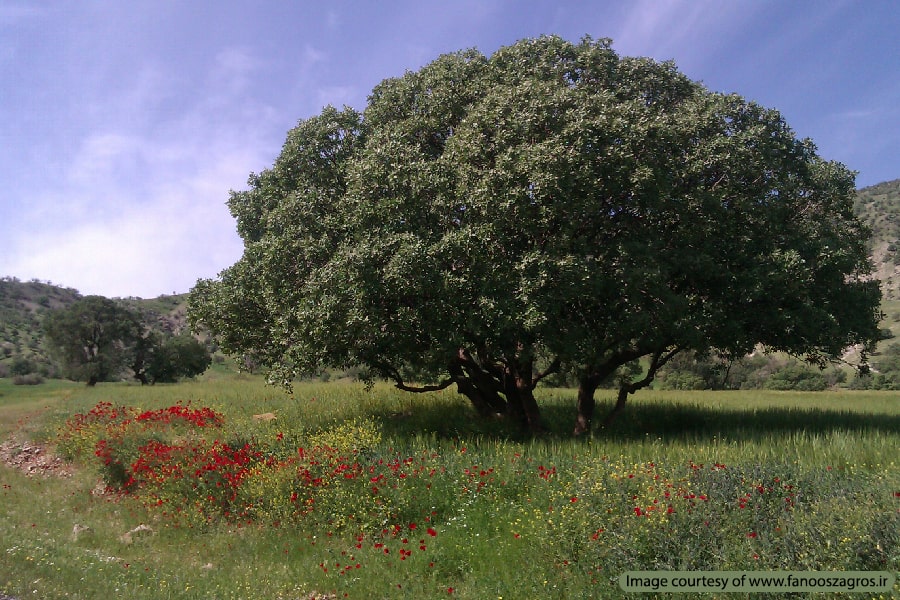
x=655 y=27
x=693 y=33
x=140 y=209
x=332 y=20
x=104 y=156
x=181 y=232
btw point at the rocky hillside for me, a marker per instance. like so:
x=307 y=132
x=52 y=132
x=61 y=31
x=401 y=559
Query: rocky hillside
x=879 y=207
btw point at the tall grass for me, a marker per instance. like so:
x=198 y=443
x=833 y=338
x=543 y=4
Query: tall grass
x=754 y=480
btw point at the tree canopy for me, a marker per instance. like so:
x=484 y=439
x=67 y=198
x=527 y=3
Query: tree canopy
x=90 y=338
x=486 y=221
x=177 y=356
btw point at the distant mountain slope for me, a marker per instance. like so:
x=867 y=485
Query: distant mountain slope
x=22 y=306
x=879 y=208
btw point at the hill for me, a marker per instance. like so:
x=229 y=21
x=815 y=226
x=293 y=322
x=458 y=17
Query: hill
x=24 y=304
x=879 y=208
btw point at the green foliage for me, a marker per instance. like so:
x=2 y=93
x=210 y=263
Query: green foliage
x=796 y=377
x=90 y=338
x=28 y=379
x=22 y=306
x=759 y=371
x=97 y=339
x=886 y=373
x=551 y=200
x=22 y=365
x=694 y=372
x=176 y=357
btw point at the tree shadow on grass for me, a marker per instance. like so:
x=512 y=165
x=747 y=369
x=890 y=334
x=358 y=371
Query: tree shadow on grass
x=657 y=419
x=686 y=422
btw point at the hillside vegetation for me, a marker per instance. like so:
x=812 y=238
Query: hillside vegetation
x=22 y=306
x=879 y=208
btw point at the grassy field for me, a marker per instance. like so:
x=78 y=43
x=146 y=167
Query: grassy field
x=362 y=493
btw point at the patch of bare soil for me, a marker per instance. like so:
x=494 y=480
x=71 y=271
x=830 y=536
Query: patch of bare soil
x=33 y=459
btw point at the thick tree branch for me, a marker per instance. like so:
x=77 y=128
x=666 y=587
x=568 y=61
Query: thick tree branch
x=550 y=370
x=660 y=357
x=424 y=388
x=392 y=373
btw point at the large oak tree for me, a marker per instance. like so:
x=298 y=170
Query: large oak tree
x=489 y=220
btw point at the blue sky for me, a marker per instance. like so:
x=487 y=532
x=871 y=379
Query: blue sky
x=123 y=125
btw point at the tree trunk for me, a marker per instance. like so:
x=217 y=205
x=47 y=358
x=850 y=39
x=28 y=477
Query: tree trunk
x=620 y=404
x=659 y=358
x=515 y=411
x=586 y=404
x=92 y=381
x=530 y=409
x=519 y=390
x=486 y=401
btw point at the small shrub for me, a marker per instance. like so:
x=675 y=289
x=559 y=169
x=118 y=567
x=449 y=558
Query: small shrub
x=29 y=379
x=22 y=366
x=682 y=380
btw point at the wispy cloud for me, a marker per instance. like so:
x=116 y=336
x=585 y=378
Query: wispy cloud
x=142 y=206
x=233 y=71
x=660 y=26
x=119 y=246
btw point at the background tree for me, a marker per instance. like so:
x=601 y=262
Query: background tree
x=487 y=222
x=141 y=352
x=91 y=338
x=176 y=357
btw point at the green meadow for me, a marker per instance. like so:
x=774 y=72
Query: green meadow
x=375 y=493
